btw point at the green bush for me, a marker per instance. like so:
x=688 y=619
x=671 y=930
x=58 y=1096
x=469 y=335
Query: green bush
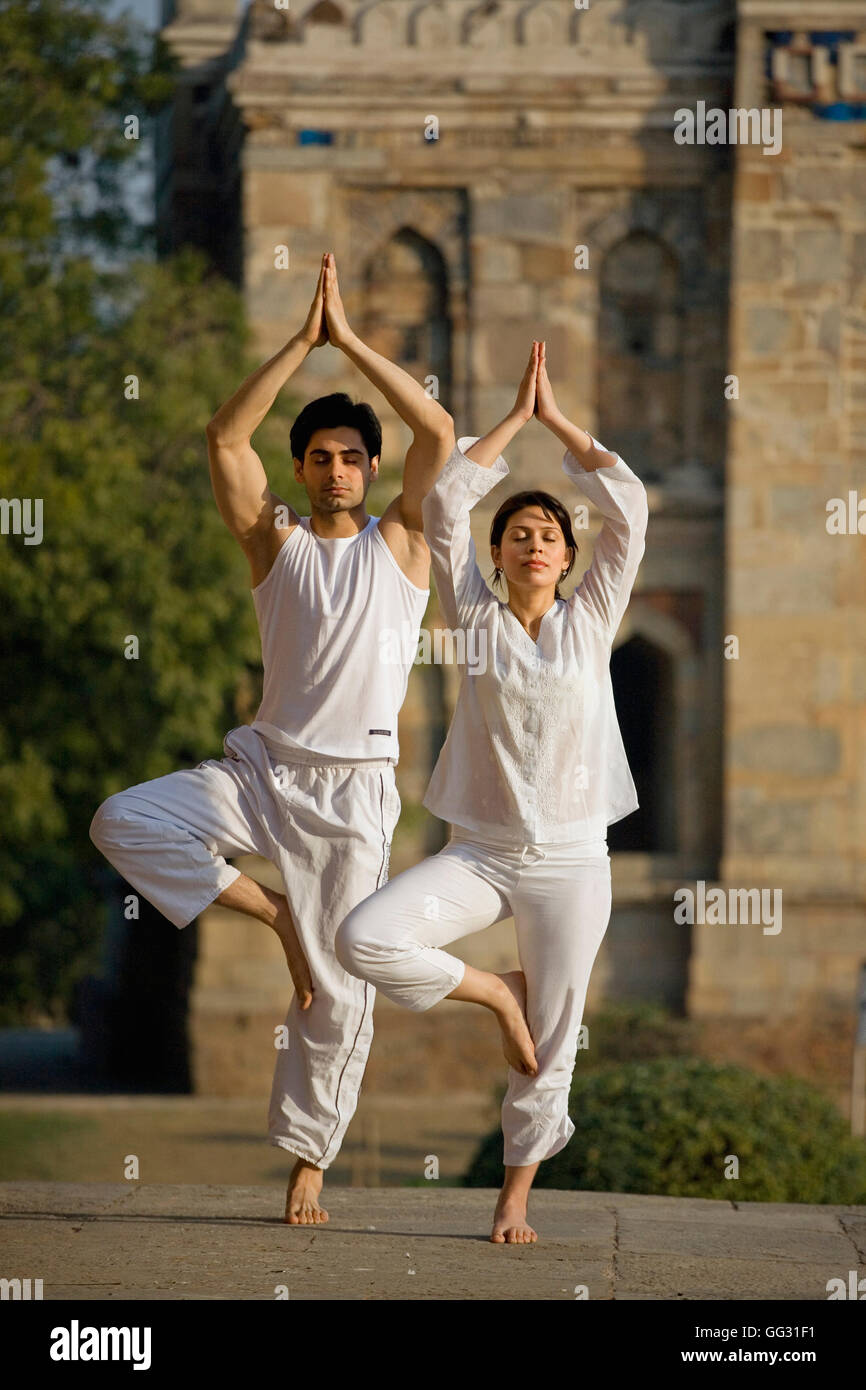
x=635 y=1031
x=667 y=1127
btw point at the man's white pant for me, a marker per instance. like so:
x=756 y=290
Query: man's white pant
x=560 y=898
x=327 y=825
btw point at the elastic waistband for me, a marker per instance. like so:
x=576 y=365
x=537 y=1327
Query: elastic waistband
x=307 y=758
x=594 y=846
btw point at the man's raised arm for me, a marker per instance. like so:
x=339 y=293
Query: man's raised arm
x=245 y=501
x=432 y=427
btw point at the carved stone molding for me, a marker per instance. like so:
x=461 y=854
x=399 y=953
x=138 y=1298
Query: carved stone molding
x=685 y=28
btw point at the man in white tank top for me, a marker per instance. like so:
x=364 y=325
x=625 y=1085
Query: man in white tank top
x=310 y=784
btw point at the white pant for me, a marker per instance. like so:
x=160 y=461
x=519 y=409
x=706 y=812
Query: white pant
x=560 y=898
x=327 y=826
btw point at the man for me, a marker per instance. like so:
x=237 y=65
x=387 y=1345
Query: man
x=310 y=784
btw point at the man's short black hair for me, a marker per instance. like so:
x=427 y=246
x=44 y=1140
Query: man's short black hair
x=330 y=412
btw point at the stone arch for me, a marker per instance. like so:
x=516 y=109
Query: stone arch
x=653 y=669
x=484 y=26
x=381 y=24
x=323 y=25
x=641 y=349
x=680 y=223
x=440 y=217
x=642 y=677
x=405 y=314
x=663 y=631
x=432 y=26
x=673 y=221
x=543 y=23
x=324 y=12
x=598 y=25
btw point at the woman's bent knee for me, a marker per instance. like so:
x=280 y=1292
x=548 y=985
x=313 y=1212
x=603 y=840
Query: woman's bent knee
x=343 y=944
x=352 y=944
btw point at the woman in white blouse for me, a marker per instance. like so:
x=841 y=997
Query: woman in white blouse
x=531 y=774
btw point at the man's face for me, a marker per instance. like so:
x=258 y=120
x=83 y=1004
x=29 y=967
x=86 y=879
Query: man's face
x=337 y=470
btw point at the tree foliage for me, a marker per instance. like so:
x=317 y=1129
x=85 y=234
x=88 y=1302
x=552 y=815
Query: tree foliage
x=109 y=377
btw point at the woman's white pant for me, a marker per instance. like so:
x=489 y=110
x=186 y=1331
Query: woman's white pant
x=327 y=826
x=560 y=898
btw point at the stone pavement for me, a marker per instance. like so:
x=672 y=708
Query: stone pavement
x=153 y=1241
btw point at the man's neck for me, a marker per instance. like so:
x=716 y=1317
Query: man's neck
x=338 y=525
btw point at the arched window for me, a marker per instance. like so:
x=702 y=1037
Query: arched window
x=640 y=354
x=326 y=12
x=643 y=690
x=406 y=308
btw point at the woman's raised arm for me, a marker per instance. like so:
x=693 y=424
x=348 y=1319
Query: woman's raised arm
x=474 y=467
x=618 y=493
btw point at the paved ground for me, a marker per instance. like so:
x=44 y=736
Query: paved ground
x=150 y=1241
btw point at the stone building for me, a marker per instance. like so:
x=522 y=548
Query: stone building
x=491 y=172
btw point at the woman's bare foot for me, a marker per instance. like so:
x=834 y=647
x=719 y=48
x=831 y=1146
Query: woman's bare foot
x=302 y=1204
x=505 y=995
x=510 y=1226
x=516 y=1039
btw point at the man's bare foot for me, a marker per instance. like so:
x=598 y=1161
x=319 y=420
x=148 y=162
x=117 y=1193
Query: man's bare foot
x=302 y=1204
x=510 y=1226
x=299 y=970
x=516 y=1039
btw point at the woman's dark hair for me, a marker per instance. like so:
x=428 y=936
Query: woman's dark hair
x=551 y=506
x=330 y=412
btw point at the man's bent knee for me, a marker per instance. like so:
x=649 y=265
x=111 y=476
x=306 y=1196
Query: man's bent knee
x=106 y=828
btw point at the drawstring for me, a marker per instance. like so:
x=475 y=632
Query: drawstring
x=532 y=854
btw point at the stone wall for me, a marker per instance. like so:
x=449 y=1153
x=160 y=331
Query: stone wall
x=795 y=697
x=555 y=138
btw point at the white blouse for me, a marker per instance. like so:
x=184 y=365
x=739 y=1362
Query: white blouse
x=534 y=753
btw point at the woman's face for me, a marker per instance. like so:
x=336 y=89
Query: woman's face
x=533 y=552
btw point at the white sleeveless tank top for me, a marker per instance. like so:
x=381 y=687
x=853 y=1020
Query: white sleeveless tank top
x=339 y=626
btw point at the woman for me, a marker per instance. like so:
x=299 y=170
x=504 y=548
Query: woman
x=531 y=774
